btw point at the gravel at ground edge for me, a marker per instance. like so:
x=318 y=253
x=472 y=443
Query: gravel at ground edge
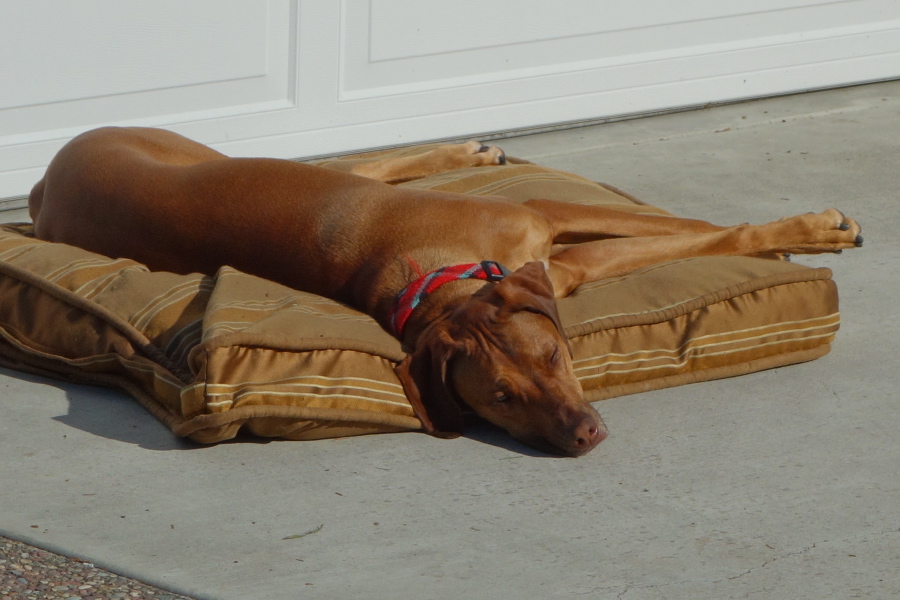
x=29 y=573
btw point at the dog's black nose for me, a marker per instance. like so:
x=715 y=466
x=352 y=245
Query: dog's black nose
x=588 y=434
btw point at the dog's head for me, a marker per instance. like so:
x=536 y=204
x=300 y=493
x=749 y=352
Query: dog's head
x=503 y=354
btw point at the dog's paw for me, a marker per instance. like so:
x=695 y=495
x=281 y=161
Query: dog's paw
x=847 y=234
x=828 y=231
x=472 y=154
x=486 y=155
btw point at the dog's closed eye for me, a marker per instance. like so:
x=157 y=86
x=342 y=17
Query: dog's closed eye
x=554 y=356
x=502 y=398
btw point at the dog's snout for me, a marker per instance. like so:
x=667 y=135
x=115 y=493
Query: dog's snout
x=588 y=434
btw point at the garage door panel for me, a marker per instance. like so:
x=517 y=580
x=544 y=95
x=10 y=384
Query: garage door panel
x=79 y=64
x=445 y=45
x=132 y=49
x=409 y=28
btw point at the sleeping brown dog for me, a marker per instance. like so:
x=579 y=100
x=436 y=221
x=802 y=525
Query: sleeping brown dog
x=467 y=283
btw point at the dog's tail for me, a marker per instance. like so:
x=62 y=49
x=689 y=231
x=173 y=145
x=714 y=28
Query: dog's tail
x=35 y=200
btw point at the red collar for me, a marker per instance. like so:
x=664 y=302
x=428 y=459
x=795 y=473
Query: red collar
x=410 y=297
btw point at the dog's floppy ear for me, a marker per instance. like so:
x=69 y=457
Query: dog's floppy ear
x=529 y=288
x=424 y=375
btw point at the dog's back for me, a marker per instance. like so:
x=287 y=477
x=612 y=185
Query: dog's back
x=175 y=205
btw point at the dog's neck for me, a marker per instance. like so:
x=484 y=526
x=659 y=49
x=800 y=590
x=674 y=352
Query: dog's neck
x=437 y=305
x=408 y=301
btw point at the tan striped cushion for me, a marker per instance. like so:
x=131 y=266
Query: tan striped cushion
x=212 y=355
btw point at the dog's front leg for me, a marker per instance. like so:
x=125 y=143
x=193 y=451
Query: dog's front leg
x=444 y=158
x=577 y=223
x=829 y=231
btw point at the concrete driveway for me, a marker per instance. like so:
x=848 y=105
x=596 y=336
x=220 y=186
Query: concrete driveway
x=781 y=484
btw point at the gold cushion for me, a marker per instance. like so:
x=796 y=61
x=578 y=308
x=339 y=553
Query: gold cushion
x=210 y=356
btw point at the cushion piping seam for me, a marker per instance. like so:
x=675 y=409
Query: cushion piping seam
x=804 y=275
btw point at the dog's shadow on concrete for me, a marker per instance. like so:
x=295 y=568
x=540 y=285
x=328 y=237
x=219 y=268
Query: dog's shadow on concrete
x=479 y=430
x=115 y=415
x=104 y=412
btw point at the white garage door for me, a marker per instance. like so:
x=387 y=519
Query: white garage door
x=312 y=77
